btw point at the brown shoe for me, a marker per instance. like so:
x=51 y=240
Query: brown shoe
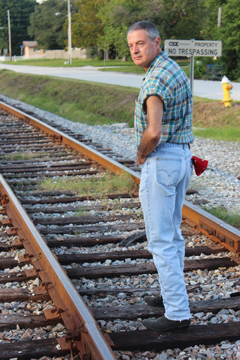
x=164 y=324
x=154 y=301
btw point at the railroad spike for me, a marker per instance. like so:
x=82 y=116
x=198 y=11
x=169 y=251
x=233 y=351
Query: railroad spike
x=4 y=199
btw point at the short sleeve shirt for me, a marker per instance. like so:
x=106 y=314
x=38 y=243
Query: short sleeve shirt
x=167 y=80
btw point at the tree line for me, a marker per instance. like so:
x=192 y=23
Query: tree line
x=102 y=24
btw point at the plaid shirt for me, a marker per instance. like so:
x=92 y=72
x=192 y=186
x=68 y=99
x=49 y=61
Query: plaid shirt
x=168 y=81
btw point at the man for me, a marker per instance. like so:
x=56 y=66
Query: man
x=163 y=125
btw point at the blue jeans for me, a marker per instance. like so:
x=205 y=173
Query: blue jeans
x=165 y=176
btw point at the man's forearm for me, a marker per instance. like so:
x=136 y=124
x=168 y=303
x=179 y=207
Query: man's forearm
x=152 y=134
x=147 y=145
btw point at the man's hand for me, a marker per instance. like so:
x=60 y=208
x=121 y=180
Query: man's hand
x=140 y=158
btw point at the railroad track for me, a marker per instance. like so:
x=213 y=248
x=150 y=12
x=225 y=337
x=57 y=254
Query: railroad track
x=100 y=245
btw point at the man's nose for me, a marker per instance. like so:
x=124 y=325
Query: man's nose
x=135 y=49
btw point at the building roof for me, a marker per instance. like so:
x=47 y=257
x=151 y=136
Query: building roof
x=29 y=43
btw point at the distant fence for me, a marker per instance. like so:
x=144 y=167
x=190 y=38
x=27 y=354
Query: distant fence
x=50 y=54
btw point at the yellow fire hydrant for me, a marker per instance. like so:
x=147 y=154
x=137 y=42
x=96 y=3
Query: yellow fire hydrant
x=226 y=91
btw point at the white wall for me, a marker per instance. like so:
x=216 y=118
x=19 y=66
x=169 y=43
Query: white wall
x=50 y=54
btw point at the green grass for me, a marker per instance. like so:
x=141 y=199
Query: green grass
x=17 y=156
x=223 y=214
x=137 y=70
x=63 y=62
x=107 y=184
x=222 y=134
x=80 y=101
x=121 y=66
x=97 y=104
x=126 y=69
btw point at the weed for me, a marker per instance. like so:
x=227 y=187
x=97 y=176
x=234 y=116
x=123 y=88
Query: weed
x=109 y=183
x=223 y=214
x=82 y=213
x=17 y=156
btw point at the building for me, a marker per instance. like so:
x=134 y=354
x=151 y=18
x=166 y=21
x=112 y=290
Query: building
x=29 y=49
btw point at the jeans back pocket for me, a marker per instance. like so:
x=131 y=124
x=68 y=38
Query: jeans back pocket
x=168 y=170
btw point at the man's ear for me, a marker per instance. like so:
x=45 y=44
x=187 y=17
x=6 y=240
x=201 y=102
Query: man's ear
x=158 y=41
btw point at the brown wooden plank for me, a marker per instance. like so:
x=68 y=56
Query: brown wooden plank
x=69 y=199
x=83 y=241
x=122 y=255
x=57 y=173
x=4 y=246
x=118 y=270
x=11 y=262
x=33 y=349
x=131 y=312
x=9 y=321
x=15 y=277
x=81 y=220
x=130 y=291
x=196 y=334
x=9 y=295
x=43 y=167
x=127 y=270
x=64 y=209
x=42 y=160
x=38 y=169
x=92 y=257
x=94 y=228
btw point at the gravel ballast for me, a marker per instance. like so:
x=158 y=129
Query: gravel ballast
x=218 y=186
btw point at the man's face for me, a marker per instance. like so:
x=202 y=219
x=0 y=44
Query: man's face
x=142 y=49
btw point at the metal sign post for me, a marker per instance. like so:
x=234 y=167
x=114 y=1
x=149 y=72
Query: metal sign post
x=9 y=35
x=191 y=48
x=191 y=72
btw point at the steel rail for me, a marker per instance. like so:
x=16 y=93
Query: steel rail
x=218 y=230
x=64 y=139
x=83 y=328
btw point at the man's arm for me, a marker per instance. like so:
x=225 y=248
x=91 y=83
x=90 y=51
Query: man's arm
x=152 y=134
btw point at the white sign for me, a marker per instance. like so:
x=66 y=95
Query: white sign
x=193 y=48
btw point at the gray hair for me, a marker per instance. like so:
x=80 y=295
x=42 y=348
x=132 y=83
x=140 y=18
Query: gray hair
x=150 y=29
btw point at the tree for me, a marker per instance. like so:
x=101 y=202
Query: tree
x=180 y=19
x=86 y=26
x=46 y=24
x=116 y=17
x=19 y=15
x=230 y=35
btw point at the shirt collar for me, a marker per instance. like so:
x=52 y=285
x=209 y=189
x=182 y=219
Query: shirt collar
x=160 y=58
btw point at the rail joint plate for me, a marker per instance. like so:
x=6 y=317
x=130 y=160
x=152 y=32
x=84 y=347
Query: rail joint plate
x=53 y=313
x=218 y=234
x=12 y=232
x=7 y=222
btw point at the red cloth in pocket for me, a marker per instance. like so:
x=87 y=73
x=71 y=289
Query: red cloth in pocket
x=199 y=165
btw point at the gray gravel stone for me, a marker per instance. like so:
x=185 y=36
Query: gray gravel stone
x=217 y=186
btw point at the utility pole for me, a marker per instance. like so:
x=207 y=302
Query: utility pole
x=9 y=35
x=69 y=35
x=219 y=16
